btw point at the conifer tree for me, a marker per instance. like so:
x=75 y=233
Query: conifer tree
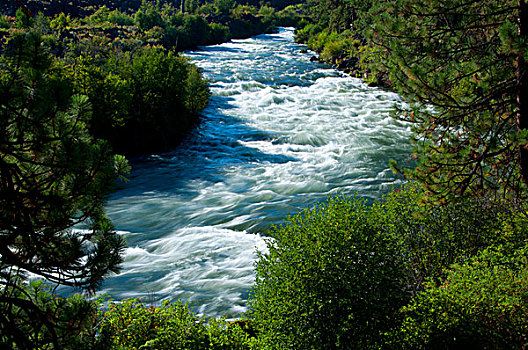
x=53 y=176
x=462 y=65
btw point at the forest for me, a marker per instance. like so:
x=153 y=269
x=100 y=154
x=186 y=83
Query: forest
x=438 y=263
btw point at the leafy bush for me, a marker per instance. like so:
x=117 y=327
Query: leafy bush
x=133 y=324
x=61 y=21
x=149 y=16
x=98 y=17
x=289 y=17
x=336 y=275
x=120 y=18
x=331 y=279
x=143 y=101
x=482 y=304
x=432 y=237
x=224 y=6
x=4 y=22
x=219 y=33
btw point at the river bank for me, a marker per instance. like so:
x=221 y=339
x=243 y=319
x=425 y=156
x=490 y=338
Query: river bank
x=280 y=133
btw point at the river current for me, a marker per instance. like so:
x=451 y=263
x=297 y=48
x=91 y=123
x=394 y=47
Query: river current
x=279 y=134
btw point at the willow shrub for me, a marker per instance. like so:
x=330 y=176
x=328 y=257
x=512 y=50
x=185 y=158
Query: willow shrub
x=337 y=275
x=133 y=324
x=330 y=279
x=482 y=304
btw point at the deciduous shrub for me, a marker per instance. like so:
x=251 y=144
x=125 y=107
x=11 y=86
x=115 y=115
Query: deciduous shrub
x=143 y=101
x=132 y=324
x=336 y=275
x=482 y=304
x=331 y=280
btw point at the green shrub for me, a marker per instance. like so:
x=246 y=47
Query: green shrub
x=482 y=304
x=98 y=17
x=267 y=12
x=224 y=6
x=149 y=16
x=432 y=236
x=60 y=21
x=120 y=18
x=206 y=9
x=219 y=33
x=132 y=324
x=289 y=17
x=143 y=101
x=331 y=280
x=4 y=22
x=336 y=275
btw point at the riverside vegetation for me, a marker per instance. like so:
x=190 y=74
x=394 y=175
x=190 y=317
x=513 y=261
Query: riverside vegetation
x=438 y=264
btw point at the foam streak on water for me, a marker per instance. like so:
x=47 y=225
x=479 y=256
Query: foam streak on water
x=279 y=134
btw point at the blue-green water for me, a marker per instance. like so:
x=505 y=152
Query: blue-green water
x=279 y=134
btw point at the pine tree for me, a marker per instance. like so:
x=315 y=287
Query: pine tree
x=462 y=66
x=53 y=177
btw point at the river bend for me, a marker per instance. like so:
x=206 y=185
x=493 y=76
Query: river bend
x=279 y=134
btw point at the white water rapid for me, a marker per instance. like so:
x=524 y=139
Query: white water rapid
x=280 y=133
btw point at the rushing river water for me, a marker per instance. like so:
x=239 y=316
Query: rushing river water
x=279 y=134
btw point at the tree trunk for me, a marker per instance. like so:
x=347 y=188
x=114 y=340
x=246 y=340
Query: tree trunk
x=522 y=92
x=24 y=8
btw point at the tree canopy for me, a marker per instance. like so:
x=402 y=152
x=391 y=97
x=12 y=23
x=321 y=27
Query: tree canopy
x=53 y=176
x=461 y=64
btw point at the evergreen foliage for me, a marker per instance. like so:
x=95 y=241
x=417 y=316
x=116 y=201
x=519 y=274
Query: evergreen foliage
x=54 y=175
x=461 y=64
x=40 y=320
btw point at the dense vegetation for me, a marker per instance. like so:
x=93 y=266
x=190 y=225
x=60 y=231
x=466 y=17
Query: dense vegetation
x=396 y=274
x=145 y=96
x=450 y=254
x=438 y=264
x=74 y=90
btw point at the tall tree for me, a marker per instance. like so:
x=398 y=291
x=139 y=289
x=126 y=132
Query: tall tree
x=337 y=15
x=53 y=176
x=462 y=65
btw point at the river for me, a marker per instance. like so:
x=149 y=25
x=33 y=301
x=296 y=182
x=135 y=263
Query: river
x=279 y=134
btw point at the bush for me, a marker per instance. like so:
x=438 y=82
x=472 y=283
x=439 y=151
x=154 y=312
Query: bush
x=331 y=279
x=337 y=275
x=98 y=17
x=132 y=324
x=120 y=18
x=482 y=304
x=432 y=237
x=289 y=17
x=4 y=22
x=149 y=16
x=143 y=101
x=219 y=33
